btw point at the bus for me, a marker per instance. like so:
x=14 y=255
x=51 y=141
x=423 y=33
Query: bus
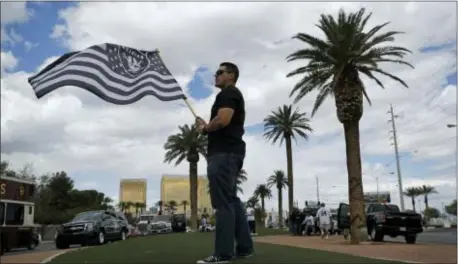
x=17 y=214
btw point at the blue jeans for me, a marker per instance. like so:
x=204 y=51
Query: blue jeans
x=293 y=227
x=231 y=221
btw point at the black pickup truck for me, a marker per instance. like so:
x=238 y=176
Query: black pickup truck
x=385 y=220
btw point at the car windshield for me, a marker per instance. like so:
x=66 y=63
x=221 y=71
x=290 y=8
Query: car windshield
x=178 y=217
x=392 y=208
x=92 y=215
x=147 y=217
x=386 y=208
x=162 y=218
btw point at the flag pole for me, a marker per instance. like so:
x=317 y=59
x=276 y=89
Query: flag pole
x=190 y=107
x=185 y=99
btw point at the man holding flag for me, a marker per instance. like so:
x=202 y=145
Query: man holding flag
x=226 y=153
x=122 y=75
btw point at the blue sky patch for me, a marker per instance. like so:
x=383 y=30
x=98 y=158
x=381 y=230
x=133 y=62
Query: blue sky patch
x=200 y=86
x=37 y=31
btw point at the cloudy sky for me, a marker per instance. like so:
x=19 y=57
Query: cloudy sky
x=97 y=144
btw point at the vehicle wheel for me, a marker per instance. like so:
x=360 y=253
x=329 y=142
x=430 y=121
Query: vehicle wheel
x=101 y=238
x=411 y=238
x=32 y=245
x=375 y=235
x=61 y=245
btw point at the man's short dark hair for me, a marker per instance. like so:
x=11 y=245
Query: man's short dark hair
x=231 y=68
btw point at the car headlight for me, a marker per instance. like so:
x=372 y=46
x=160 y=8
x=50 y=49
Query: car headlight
x=89 y=227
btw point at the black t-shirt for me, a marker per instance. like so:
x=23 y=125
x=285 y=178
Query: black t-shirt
x=228 y=139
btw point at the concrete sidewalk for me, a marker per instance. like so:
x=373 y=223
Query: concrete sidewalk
x=36 y=257
x=416 y=253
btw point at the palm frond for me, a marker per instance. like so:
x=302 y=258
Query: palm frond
x=346 y=45
x=286 y=122
x=179 y=146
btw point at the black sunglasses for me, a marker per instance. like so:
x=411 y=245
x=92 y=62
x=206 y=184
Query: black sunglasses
x=219 y=72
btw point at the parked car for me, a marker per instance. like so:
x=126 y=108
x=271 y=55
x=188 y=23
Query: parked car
x=178 y=222
x=161 y=224
x=89 y=228
x=385 y=219
x=144 y=224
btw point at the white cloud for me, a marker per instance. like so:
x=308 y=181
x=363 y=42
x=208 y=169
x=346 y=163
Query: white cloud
x=8 y=62
x=11 y=13
x=73 y=130
x=29 y=45
x=14 y=12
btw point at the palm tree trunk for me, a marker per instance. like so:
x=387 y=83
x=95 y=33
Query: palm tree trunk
x=289 y=162
x=355 y=186
x=263 y=210
x=193 y=193
x=426 y=201
x=280 y=207
x=413 y=204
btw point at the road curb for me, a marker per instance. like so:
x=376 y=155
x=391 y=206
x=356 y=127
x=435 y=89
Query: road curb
x=396 y=260
x=49 y=259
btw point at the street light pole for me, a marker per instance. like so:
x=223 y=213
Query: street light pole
x=456 y=153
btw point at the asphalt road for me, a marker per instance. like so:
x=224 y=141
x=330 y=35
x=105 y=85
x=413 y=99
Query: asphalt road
x=432 y=236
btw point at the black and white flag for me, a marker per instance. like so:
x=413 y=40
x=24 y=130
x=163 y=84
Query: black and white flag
x=117 y=74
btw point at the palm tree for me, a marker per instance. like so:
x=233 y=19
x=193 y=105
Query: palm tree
x=160 y=204
x=262 y=192
x=185 y=203
x=278 y=179
x=285 y=124
x=139 y=208
x=426 y=190
x=412 y=192
x=252 y=202
x=241 y=178
x=187 y=144
x=122 y=206
x=333 y=68
x=172 y=205
x=129 y=206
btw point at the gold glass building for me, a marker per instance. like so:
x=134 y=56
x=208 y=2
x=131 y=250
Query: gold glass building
x=132 y=190
x=176 y=187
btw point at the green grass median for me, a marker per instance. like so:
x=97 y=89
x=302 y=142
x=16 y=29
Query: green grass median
x=190 y=247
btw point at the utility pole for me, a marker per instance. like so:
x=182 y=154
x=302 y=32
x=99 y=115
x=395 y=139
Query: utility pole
x=317 y=189
x=396 y=152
